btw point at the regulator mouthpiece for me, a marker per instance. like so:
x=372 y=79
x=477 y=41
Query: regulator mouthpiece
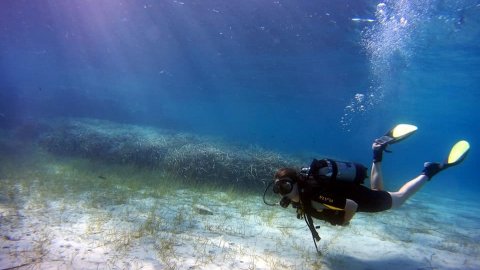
x=285 y=202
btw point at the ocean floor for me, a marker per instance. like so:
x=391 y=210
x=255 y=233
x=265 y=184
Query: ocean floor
x=59 y=213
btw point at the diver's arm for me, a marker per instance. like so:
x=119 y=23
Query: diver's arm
x=350 y=209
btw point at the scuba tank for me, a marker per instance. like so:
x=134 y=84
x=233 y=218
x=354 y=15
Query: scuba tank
x=332 y=170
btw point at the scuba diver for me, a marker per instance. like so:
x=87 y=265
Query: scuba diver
x=332 y=190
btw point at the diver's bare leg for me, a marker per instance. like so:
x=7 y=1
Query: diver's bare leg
x=376 y=176
x=407 y=190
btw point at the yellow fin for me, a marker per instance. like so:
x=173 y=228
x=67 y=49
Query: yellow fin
x=402 y=130
x=458 y=152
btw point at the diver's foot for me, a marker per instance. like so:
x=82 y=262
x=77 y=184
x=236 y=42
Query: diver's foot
x=396 y=134
x=379 y=146
x=432 y=168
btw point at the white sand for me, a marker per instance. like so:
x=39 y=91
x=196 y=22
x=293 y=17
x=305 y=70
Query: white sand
x=168 y=233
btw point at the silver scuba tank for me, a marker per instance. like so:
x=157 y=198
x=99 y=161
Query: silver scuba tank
x=329 y=169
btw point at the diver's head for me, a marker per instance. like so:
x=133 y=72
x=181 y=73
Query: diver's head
x=285 y=184
x=287 y=173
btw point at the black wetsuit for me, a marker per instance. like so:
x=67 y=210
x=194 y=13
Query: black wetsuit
x=332 y=196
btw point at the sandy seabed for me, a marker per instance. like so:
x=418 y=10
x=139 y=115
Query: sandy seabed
x=55 y=224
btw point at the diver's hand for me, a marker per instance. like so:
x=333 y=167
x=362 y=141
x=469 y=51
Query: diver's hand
x=350 y=210
x=334 y=217
x=339 y=217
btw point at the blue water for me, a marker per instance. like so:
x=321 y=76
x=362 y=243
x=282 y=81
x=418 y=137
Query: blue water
x=322 y=77
x=301 y=77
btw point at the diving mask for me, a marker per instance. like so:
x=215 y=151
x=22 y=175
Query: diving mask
x=283 y=186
